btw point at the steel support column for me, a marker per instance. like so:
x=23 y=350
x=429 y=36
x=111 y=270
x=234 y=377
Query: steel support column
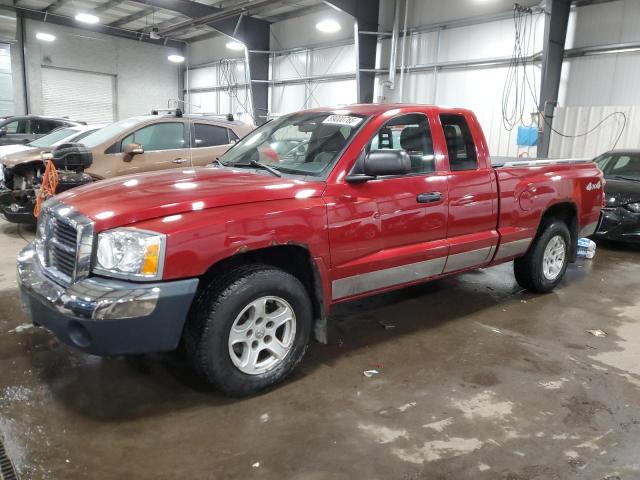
x=365 y=13
x=555 y=34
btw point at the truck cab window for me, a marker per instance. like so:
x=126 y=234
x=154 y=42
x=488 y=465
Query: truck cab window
x=411 y=133
x=460 y=147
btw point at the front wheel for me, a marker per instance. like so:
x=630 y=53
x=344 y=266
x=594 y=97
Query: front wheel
x=542 y=268
x=248 y=331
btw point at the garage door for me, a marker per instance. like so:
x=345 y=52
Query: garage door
x=79 y=95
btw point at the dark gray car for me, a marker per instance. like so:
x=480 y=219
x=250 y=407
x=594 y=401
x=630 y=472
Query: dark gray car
x=24 y=129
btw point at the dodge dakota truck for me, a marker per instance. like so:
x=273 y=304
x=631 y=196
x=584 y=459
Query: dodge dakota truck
x=240 y=262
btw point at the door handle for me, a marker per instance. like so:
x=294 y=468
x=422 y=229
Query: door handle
x=179 y=160
x=429 y=197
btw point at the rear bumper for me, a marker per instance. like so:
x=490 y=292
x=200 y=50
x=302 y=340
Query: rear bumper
x=619 y=224
x=103 y=316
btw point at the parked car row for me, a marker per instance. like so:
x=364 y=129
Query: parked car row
x=134 y=145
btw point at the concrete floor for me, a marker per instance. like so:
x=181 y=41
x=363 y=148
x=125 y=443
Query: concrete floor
x=478 y=380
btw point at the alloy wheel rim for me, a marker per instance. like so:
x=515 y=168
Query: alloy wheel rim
x=554 y=257
x=262 y=335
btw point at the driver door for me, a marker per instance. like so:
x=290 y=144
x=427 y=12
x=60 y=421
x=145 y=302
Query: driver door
x=165 y=145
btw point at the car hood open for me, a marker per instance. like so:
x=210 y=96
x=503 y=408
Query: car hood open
x=136 y=198
x=12 y=155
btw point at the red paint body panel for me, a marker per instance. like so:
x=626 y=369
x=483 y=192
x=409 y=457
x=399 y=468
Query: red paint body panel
x=367 y=232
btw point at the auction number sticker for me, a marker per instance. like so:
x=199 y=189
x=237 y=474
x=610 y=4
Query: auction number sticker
x=346 y=120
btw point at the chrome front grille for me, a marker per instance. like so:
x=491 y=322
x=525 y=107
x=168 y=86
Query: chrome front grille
x=64 y=242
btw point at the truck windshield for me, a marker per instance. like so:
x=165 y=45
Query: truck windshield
x=304 y=143
x=621 y=166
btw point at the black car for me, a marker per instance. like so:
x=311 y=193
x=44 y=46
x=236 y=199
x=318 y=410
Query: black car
x=26 y=128
x=621 y=214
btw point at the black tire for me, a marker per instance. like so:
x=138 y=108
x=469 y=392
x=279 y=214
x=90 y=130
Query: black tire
x=216 y=308
x=529 y=268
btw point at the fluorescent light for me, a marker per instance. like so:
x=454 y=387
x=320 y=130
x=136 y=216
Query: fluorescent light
x=233 y=45
x=176 y=58
x=87 y=18
x=45 y=37
x=328 y=25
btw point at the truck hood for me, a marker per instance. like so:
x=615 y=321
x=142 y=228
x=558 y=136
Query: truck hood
x=620 y=192
x=12 y=155
x=136 y=198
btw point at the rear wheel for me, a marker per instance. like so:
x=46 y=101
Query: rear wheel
x=249 y=330
x=546 y=261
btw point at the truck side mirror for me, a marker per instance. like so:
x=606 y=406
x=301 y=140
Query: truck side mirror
x=379 y=163
x=3 y=131
x=133 y=149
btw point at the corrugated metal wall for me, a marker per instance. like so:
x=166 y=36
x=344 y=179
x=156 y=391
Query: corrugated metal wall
x=319 y=62
x=594 y=86
x=220 y=88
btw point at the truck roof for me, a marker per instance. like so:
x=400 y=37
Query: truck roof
x=378 y=108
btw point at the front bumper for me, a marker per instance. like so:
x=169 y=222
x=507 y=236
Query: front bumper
x=104 y=316
x=619 y=224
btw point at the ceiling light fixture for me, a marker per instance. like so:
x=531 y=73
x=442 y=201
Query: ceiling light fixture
x=45 y=37
x=87 y=18
x=176 y=58
x=233 y=45
x=328 y=25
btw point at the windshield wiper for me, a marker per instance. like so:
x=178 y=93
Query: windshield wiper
x=627 y=178
x=256 y=164
x=219 y=162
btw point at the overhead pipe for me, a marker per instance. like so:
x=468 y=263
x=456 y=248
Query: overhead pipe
x=393 y=54
x=404 y=40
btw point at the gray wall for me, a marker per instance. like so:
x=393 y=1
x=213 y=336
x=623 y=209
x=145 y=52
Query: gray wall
x=144 y=76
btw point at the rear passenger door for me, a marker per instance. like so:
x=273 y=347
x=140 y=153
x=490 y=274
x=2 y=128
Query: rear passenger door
x=165 y=146
x=209 y=142
x=473 y=216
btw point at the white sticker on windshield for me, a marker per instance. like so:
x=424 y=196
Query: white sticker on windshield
x=347 y=120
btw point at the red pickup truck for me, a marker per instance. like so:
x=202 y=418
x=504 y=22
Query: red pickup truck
x=241 y=261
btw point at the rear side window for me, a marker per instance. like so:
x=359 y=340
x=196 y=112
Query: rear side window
x=18 y=127
x=460 y=147
x=232 y=136
x=43 y=127
x=411 y=133
x=160 y=136
x=210 y=135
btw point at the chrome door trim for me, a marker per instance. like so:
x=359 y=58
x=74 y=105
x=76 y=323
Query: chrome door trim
x=388 y=277
x=468 y=259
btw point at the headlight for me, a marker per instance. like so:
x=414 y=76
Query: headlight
x=634 y=207
x=130 y=253
x=40 y=239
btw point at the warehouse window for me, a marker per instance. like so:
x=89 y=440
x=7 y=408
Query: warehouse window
x=410 y=133
x=161 y=136
x=460 y=147
x=210 y=136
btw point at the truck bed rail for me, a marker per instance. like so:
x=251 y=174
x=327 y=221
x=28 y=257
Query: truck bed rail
x=506 y=162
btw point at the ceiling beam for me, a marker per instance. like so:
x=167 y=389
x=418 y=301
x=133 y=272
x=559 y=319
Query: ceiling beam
x=56 y=5
x=65 y=21
x=184 y=7
x=133 y=17
x=107 y=6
